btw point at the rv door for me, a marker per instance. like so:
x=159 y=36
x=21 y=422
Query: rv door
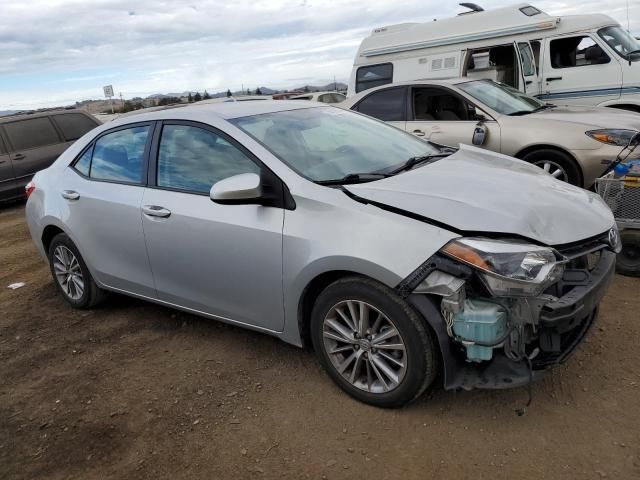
x=529 y=82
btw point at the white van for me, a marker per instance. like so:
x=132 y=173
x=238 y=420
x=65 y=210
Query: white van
x=576 y=59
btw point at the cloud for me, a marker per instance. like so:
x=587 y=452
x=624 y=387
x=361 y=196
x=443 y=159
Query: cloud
x=60 y=51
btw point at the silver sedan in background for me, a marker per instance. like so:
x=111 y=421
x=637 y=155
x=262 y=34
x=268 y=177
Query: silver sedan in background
x=393 y=258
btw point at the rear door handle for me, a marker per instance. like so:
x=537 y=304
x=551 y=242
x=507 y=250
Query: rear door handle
x=19 y=156
x=70 y=195
x=156 y=211
x=553 y=79
x=418 y=133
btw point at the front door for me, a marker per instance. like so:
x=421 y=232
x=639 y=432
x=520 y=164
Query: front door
x=578 y=71
x=442 y=116
x=102 y=194
x=222 y=260
x=35 y=144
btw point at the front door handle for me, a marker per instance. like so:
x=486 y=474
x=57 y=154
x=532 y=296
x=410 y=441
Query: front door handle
x=553 y=79
x=418 y=133
x=19 y=156
x=156 y=211
x=70 y=195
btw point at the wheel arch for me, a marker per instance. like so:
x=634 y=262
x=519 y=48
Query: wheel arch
x=48 y=234
x=546 y=146
x=308 y=299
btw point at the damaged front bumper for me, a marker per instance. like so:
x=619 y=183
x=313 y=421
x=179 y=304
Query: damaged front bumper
x=563 y=321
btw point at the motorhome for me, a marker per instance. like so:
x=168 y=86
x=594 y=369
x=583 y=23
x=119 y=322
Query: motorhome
x=575 y=59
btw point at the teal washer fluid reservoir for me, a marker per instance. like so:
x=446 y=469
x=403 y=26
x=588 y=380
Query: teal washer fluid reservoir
x=480 y=321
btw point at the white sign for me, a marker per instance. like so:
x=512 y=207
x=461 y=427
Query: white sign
x=108 y=91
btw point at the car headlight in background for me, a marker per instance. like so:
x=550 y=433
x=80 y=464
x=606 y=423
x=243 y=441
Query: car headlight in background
x=508 y=268
x=613 y=136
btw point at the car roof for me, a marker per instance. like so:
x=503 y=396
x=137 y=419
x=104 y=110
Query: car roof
x=40 y=113
x=224 y=110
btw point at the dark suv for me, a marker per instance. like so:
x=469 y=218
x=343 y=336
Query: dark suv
x=31 y=142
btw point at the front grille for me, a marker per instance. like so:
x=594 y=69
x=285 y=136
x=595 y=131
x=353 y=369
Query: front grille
x=569 y=341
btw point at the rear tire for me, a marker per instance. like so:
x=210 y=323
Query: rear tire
x=554 y=161
x=395 y=359
x=628 y=260
x=71 y=275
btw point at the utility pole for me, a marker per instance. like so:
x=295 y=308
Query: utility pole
x=121 y=102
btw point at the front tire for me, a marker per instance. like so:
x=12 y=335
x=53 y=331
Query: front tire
x=71 y=275
x=628 y=260
x=372 y=343
x=558 y=164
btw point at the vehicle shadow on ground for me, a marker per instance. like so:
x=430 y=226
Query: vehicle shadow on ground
x=164 y=320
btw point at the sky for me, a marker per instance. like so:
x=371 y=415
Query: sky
x=56 y=52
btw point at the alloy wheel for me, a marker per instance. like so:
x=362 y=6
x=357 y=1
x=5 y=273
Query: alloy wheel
x=364 y=346
x=554 y=169
x=68 y=272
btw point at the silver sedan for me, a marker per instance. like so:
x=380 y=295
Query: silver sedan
x=395 y=259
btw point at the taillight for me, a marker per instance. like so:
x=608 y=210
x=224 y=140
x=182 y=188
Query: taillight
x=30 y=188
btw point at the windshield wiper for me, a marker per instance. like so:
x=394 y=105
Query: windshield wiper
x=354 y=178
x=519 y=113
x=632 y=52
x=413 y=161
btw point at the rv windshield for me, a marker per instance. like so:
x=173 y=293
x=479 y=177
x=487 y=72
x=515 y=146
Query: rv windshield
x=624 y=44
x=502 y=99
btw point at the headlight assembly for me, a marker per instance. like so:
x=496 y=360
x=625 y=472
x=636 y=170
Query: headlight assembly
x=613 y=136
x=508 y=268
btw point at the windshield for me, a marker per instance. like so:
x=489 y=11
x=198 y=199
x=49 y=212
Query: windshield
x=502 y=99
x=620 y=41
x=330 y=143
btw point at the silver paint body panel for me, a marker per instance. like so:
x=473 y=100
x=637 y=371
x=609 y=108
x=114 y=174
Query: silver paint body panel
x=249 y=264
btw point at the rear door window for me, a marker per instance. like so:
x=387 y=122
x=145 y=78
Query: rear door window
x=388 y=105
x=193 y=159
x=119 y=156
x=73 y=125
x=31 y=133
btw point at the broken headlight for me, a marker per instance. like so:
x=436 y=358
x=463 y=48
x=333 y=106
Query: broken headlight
x=509 y=268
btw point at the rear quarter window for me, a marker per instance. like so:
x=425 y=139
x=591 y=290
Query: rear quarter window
x=73 y=125
x=31 y=133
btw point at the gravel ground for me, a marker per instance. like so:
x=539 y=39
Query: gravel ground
x=135 y=390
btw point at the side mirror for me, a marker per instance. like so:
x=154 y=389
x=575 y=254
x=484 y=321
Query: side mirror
x=242 y=189
x=479 y=134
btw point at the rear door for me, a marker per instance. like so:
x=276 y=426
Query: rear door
x=8 y=187
x=102 y=195
x=222 y=260
x=440 y=115
x=34 y=144
x=388 y=105
x=577 y=70
x=529 y=76
x=73 y=125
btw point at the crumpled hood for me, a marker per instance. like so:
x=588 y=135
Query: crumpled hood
x=600 y=117
x=475 y=190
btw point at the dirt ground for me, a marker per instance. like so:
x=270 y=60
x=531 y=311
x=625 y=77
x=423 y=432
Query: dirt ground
x=134 y=390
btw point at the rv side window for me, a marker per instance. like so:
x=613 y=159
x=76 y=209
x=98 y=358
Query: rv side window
x=387 y=105
x=576 y=52
x=526 y=55
x=373 y=76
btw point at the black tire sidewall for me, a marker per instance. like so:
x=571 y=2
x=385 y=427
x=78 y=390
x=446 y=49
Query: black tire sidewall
x=422 y=360
x=86 y=299
x=625 y=265
x=562 y=159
